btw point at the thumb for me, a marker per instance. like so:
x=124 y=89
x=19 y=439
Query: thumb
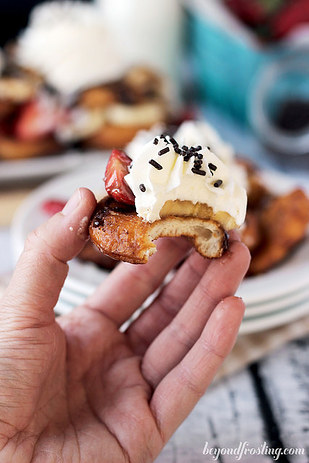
x=42 y=268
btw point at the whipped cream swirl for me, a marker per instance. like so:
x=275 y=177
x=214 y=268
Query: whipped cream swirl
x=164 y=170
x=69 y=44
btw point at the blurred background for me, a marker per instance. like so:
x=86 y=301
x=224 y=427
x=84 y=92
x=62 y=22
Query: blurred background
x=248 y=59
x=78 y=79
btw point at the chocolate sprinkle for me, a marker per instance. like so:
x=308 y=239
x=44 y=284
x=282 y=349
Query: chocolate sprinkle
x=155 y=164
x=163 y=151
x=173 y=141
x=212 y=166
x=142 y=187
x=218 y=183
x=155 y=141
x=198 y=171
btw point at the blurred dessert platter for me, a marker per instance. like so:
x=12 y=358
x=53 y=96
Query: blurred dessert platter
x=64 y=83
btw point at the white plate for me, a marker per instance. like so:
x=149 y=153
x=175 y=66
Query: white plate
x=285 y=315
x=43 y=167
x=263 y=294
x=276 y=304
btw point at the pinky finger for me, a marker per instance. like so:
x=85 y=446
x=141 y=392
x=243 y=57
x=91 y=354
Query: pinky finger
x=182 y=387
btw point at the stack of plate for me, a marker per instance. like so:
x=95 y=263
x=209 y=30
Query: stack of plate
x=278 y=296
x=272 y=299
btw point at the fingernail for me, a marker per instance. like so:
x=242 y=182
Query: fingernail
x=72 y=204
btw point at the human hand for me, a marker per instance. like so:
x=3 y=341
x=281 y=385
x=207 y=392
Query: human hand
x=78 y=390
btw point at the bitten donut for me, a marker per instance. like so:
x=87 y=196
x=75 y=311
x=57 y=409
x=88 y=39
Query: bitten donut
x=168 y=189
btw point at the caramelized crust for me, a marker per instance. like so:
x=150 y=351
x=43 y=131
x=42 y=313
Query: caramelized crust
x=113 y=136
x=119 y=233
x=284 y=222
x=11 y=148
x=96 y=97
x=251 y=232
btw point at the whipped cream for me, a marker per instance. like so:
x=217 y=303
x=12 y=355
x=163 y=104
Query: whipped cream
x=159 y=174
x=69 y=44
x=193 y=133
x=200 y=132
x=151 y=31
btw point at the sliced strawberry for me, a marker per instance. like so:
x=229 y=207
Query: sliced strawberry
x=52 y=206
x=36 y=120
x=115 y=184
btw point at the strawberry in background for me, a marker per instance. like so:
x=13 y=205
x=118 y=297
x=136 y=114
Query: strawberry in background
x=30 y=129
x=37 y=119
x=293 y=14
x=271 y=19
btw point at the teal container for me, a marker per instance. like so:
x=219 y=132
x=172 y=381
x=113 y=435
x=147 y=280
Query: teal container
x=225 y=67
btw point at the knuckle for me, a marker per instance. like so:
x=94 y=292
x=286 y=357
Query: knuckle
x=211 y=350
x=181 y=335
x=207 y=292
x=196 y=271
x=169 y=303
x=150 y=372
x=190 y=381
x=35 y=240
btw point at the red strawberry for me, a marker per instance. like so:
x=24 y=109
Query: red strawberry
x=295 y=13
x=36 y=120
x=52 y=206
x=115 y=184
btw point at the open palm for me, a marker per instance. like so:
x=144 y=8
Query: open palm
x=78 y=389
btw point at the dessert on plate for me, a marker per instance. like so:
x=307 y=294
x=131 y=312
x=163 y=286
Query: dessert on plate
x=29 y=115
x=107 y=97
x=171 y=187
x=109 y=115
x=275 y=224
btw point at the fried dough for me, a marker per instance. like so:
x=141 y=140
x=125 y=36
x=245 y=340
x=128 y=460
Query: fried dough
x=11 y=148
x=112 y=136
x=284 y=222
x=119 y=233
